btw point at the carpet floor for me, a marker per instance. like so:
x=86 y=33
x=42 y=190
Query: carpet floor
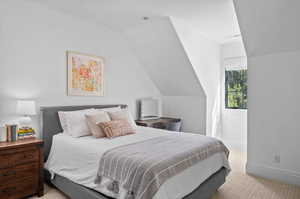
x=238 y=185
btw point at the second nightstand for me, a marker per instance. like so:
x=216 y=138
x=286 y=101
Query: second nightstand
x=21 y=168
x=171 y=124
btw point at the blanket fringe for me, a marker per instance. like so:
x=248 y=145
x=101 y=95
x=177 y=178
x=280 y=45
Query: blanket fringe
x=129 y=195
x=114 y=187
x=98 y=180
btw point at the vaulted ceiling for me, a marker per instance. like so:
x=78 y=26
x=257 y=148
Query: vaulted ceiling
x=215 y=19
x=158 y=48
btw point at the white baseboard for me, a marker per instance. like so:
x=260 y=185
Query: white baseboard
x=286 y=176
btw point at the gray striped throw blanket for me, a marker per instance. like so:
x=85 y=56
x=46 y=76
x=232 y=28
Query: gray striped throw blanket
x=142 y=167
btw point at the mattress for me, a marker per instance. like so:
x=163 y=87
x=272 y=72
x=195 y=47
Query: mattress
x=77 y=159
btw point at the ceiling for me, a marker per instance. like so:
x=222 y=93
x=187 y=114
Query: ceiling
x=215 y=19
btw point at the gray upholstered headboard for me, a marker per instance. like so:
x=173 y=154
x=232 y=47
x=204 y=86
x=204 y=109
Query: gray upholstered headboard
x=51 y=124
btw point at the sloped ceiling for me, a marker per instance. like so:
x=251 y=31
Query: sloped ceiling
x=269 y=26
x=158 y=48
x=215 y=18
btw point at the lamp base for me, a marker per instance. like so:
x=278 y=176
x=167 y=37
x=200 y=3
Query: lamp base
x=25 y=121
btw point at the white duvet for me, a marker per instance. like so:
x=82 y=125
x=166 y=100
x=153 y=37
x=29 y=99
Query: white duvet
x=77 y=159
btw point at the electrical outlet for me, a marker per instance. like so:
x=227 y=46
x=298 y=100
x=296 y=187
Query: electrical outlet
x=277 y=159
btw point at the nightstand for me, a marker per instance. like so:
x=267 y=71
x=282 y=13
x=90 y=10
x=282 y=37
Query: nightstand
x=167 y=123
x=21 y=168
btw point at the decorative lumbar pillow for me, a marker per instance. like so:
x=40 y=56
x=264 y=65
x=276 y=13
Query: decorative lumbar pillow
x=63 y=118
x=123 y=114
x=77 y=124
x=116 y=128
x=95 y=118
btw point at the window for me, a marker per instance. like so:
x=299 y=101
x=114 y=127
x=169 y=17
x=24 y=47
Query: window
x=236 y=89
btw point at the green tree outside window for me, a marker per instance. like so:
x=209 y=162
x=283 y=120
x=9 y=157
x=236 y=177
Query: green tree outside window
x=236 y=89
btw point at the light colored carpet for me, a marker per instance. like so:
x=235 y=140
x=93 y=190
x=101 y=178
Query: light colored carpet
x=243 y=186
x=238 y=185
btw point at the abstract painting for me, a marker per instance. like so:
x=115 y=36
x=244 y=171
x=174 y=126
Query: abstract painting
x=85 y=74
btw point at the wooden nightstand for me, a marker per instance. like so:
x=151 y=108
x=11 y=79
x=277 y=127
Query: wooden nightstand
x=21 y=168
x=171 y=124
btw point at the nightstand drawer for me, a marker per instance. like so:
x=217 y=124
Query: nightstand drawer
x=4 y=161
x=19 y=172
x=18 y=190
x=24 y=157
x=10 y=158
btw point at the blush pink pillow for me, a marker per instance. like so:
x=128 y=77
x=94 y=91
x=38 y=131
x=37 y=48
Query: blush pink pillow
x=116 y=128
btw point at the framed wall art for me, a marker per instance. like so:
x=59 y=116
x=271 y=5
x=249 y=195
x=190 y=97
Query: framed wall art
x=85 y=74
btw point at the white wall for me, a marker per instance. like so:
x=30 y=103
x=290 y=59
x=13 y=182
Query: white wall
x=34 y=41
x=273 y=116
x=159 y=49
x=204 y=55
x=234 y=121
x=234 y=49
x=269 y=26
x=272 y=43
x=191 y=109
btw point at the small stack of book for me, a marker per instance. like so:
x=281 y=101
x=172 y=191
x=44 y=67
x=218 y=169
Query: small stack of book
x=11 y=132
x=26 y=132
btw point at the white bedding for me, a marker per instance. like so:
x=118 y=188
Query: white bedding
x=77 y=159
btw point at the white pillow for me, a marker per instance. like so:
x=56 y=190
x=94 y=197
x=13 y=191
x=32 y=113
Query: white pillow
x=63 y=121
x=75 y=122
x=65 y=124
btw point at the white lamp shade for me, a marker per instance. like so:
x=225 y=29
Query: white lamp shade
x=26 y=107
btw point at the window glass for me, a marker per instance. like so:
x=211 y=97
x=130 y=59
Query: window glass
x=236 y=89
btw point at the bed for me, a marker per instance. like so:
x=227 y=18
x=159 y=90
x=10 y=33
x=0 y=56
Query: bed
x=78 y=190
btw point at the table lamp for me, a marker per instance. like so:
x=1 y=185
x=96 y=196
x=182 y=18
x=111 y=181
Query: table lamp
x=26 y=108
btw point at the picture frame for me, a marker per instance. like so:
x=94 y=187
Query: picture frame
x=85 y=74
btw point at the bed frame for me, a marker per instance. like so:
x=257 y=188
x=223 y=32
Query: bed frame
x=51 y=126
